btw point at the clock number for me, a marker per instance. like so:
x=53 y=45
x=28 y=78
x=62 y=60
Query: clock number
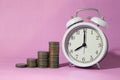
x=83 y=59
x=72 y=37
x=100 y=45
x=91 y=58
x=97 y=37
x=76 y=56
x=71 y=51
x=78 y=32
x=91 y=32
x=85 y=29
x=69 y=44
x=97 y=52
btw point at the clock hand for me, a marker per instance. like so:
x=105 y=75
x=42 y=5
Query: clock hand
x=78 y=48
x=84 y=37
x=84 y=41
x=83 y=45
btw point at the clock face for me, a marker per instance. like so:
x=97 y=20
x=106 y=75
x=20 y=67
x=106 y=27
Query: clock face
x=91 y=50
x=84 y=45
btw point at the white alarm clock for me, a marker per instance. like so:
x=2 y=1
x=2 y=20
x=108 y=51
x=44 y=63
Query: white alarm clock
x=84 y=44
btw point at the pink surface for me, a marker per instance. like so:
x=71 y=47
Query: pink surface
x=26 y=26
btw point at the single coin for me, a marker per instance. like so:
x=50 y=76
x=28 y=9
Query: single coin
x=42 y=60
x=53 y=57
x=21 y=65
x=53 y=43
x=54 y=54
x=42 y=63
x=43 y=54
x=54 y=51
x=42 y=66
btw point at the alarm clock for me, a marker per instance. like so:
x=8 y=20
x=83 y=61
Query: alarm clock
x=84 y=44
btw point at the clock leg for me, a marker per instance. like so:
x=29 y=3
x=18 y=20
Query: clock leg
x=98 y=65
x=71 y=65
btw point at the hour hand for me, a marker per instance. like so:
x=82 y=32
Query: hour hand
x=83 y=45
x=78 y=48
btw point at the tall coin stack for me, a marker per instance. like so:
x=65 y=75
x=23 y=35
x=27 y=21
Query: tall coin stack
x=42 y=60
x=53 y=54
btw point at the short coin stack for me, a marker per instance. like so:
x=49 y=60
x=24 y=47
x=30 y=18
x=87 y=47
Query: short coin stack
x=31 y=62
x=42 y=60
x=21 y=65
x=53 y=54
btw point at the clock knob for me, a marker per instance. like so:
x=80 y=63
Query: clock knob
x=99 y=21
x=73 y=21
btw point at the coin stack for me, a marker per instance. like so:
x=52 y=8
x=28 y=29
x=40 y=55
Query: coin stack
x=31 y=62
x=42 y=60
x=54 y=54
x=21 y=65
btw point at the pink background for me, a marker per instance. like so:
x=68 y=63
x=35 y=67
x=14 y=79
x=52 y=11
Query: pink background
x=26 y=26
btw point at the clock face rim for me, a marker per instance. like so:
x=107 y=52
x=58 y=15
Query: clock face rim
x=102 y=54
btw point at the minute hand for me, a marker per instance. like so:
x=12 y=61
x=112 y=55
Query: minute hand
x=84 y=38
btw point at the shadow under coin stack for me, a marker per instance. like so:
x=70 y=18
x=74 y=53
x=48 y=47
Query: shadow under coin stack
x=31 y=62
x=53 y=54
x=42 y=60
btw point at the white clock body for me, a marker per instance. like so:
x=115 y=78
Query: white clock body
x=92 y=52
